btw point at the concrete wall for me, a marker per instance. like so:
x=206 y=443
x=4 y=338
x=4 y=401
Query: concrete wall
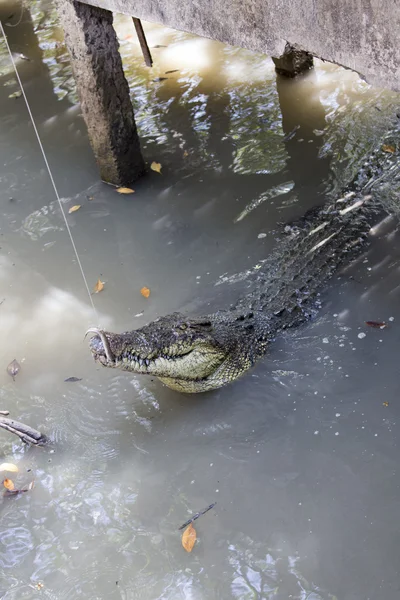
x=363 y=35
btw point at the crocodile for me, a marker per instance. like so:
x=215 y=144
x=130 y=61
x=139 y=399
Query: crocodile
x=194 y=354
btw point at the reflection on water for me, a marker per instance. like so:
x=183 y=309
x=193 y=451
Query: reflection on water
x=301 y=455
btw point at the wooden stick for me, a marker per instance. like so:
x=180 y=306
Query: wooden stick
x=196 y=516
x=142 y=41
x=25 y=432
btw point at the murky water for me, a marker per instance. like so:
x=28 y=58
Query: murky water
x=301 y=455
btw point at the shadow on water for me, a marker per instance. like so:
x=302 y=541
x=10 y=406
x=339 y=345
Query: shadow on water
x=301 y=454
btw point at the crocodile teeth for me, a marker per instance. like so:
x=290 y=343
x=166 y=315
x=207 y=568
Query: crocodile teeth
x=141 y=362
x=147 y=362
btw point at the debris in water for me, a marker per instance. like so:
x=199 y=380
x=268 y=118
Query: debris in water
x=8 y=484
x=385 y=403
x=189 y=538
x=155 y=166
x=125 y=190
x=13 y=368
x=9 y=467
x=376 y=324
x=171 y=71
x=98 y=287
x=157 y=79
x=159 y=46
x=17 y=94
x=145 y=292
x=73 y=379
x=74 y=208
x=362 y=335
x=197 y=515
x=388 y=148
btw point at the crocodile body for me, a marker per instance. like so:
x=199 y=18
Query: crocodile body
x=197 y=354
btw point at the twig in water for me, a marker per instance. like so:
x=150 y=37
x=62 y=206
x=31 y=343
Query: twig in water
x=25 y=432
x=196 y=516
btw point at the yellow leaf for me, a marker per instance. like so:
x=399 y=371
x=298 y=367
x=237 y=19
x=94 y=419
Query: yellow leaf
x=155 y=166
x=145 y=292
x=385 y=403
x=8 y=484
x=74 y=208
x=98 y=287
x=123 y=190
x=9 y=467
x=189 y=538
x=387 y=148
x=185 y=154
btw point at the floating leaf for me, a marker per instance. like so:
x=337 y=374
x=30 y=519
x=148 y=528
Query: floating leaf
x=17 y=94
x=388 y=148
x=13 y=368
x=8 y=484
x=73 y=379
x=98 y=287
x=124 y=190
x=145 y=292
x=155 y=166
x=171 y=71
x=74 y=208
x=385 y=403
x=189 y=538
x=376 y=324
x=9 y=467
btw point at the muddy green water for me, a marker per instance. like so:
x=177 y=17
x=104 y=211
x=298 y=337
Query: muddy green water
x=301 y=455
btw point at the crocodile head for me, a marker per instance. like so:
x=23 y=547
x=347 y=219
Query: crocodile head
x=187 y=354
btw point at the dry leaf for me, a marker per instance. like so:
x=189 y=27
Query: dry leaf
x=13 y=368
x=74 y=208
x=155 y=166
x=145 y=292
x=124 y=190
x=387 y=148
x=17 y=94
x=385 y=403
x=9 y=467
x=31 y=485
x=376 y=324
x=8 y=484
x=189 y=538
x=98 y=287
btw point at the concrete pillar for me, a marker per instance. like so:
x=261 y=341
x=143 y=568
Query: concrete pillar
x=103 y=90
x=293 y=62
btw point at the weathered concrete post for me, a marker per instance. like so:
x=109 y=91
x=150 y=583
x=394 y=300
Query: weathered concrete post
x=103 y=90
x=293 y=62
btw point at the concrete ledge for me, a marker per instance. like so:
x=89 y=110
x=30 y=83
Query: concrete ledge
x=362 y=35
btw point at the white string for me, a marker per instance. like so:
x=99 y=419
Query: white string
x=49 y=171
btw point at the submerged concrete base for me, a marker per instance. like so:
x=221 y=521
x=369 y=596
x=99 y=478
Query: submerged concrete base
x=103 y=90
x=293 y=62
